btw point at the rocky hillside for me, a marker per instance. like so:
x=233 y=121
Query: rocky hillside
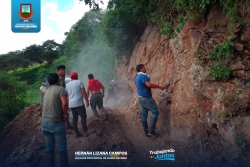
x=196 y=108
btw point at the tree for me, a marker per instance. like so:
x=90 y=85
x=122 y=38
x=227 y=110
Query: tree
x=50 y=51
x=3 y=63
x=34 y=54
x=124 y=23
x=12 y=95
x=81 y=33
x=93 y=3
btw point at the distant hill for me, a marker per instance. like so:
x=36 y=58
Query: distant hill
x=26 y=13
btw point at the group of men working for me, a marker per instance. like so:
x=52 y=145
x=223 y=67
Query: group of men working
x=57 y=101
x=59 y=98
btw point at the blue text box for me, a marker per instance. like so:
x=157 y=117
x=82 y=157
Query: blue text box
x=25 y=16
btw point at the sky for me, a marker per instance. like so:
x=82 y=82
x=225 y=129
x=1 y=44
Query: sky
x=57 y=17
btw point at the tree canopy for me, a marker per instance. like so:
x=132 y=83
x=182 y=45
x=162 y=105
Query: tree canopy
x=13 y=60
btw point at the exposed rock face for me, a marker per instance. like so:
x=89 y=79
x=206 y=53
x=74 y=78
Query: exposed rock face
x=196 y=108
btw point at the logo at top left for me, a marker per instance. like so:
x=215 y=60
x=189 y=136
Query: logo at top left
x=25 y=16
x=25 y=12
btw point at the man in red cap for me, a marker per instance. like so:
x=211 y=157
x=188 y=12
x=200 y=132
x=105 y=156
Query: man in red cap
x=76 y=93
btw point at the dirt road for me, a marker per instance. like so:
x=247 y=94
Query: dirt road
x=23 y=145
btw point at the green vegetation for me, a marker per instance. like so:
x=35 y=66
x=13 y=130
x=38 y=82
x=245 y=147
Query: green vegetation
x=248 y=85
x=125 y=20
x=219 y=71
x=21 y=88
x=219 y=115
x=222 y=51
x=223 y=115
x=171 y=31
x=218 y=60
x=244 y=144
x=93 y=3
x=29 y=56
x=12 y=95
x=87 y=49
x=240 y=140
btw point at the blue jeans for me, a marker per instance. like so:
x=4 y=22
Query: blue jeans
x=54 y=131
x=148 y=104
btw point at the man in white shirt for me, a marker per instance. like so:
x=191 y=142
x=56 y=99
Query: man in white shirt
x=42 y=91
x=76 y=93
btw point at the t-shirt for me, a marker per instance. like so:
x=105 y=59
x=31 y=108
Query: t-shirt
x=94 y=85
x=43 y=89
x=73 y=88
x=62 y=81
x=143 y=90
x=52 y=105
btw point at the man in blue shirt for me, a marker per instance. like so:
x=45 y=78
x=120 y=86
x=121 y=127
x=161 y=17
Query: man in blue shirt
x=142 y=82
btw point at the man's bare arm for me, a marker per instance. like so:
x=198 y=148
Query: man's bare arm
x=64 y=106
x=151 y=85
x=87 y=90
x=85 y=96
x=67 y=97
x=103 y=90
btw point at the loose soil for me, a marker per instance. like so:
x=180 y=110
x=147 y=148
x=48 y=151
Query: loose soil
x=23 y=145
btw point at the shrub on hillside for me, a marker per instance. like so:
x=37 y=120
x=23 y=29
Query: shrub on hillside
x=12 y=95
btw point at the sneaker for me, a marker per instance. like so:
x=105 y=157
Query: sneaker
x=78 y=135
x=90 y=131
x=105 y=117
x=153 y=134
x=96 y=118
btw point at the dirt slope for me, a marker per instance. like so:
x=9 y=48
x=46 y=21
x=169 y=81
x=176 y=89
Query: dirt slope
x=23 y=145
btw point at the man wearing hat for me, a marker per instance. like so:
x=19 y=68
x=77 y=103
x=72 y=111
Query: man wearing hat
x=76 y=93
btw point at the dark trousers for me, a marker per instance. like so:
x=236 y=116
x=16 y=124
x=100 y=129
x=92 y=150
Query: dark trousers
x=79 y=111
x=42 y=97
x=67 y=123
x=97 y=100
